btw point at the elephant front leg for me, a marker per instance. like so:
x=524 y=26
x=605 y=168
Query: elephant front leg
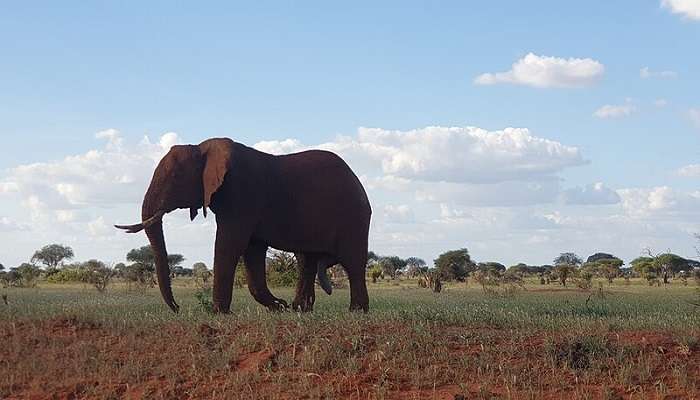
x=255 y=275
x=227 y=250
x=307 y=266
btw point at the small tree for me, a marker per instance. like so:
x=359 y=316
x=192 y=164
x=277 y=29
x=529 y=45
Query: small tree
x=239 y=278
x=414 y=266
x=564 y=272
x=375 y=272
x=568 y=259
x=201 y=274
x=491 y=266
x=52 y=255
x=27 y=274
x=97 y=274
x=143 y=267
x=520 y=269
x=454 y=265
x=282 y=268
x=392 y=265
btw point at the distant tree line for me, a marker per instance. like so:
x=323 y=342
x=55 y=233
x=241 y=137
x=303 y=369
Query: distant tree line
x=53 y=263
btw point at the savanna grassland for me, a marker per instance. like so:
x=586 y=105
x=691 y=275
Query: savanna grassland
x=545 y=342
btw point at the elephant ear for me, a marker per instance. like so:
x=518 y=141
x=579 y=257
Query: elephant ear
x=217 y=155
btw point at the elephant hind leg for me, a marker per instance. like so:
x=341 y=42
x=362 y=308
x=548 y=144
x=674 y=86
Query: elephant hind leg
x=305 y=293
x=308 y=265
x=355 y=266
x=255 y=275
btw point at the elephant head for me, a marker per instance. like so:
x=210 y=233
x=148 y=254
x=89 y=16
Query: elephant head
x=187 y=177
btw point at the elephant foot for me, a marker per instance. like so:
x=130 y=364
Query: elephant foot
x=304 y=303
x=359 y=307
x=220 y=308
x=277 y=305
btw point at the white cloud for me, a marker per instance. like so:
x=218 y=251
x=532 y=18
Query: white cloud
x=114 y=138
x=689 y=171
x=615 y=111
x=694 y=115
x=399 y=214
x=657 y=201
x=99 y=227
x=502 y=194
x=547 y=72
x=687 y=8
x=593 y=194
x=661 y=103
x=456 y=154
x=7 y=224
x=279 y=147
x=646 y=73
x=105 y=177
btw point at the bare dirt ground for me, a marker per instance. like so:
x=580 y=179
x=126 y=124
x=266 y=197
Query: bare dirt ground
x=69 y=358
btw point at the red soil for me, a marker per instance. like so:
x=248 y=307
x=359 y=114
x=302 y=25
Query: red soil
x=66 y=358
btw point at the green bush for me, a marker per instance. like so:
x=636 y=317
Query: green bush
x=66 y=275
x=282 y=269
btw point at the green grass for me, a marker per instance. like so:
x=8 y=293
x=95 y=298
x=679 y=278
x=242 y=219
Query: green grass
x=546 y=341
x=621 y=307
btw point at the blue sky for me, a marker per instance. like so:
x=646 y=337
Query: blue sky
x=314 y=71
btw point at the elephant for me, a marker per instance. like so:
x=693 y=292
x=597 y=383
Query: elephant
x=310 y=203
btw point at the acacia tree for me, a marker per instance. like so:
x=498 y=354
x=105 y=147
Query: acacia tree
x=454 y=264
x=143 y=265
x=98 y=274
x=568 y=259
x=603 y=265
x=414 y=266
x=391 y=265
x=564 y=272
x=566 y=265
x=52 y=255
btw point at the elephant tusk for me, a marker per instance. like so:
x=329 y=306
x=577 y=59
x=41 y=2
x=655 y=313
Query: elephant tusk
x=143 y=225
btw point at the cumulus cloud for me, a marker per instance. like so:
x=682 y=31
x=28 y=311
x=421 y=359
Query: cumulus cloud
x=7 y=224
x=547 y=72
x=687 y=8
x=661 y=200
x=279 y=146
x=592 y=194
x=456 y=154
x=614 y=111
x=689 y=171
x=104 y=177
x=661 y=103
x=646 y=73
x=400 y=214
x=694 y=115
x=502 y=194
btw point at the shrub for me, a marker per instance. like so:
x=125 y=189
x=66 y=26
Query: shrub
x=375 y=272
x=282 y=269
x=67 y=274
x=25 y=275
x=97 y=274
x=203 y=297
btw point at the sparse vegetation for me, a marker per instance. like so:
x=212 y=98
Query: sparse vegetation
x=413 y=343
x=505 y=336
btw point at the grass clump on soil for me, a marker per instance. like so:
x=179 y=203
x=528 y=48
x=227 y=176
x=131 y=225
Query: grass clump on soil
x=414 y=343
